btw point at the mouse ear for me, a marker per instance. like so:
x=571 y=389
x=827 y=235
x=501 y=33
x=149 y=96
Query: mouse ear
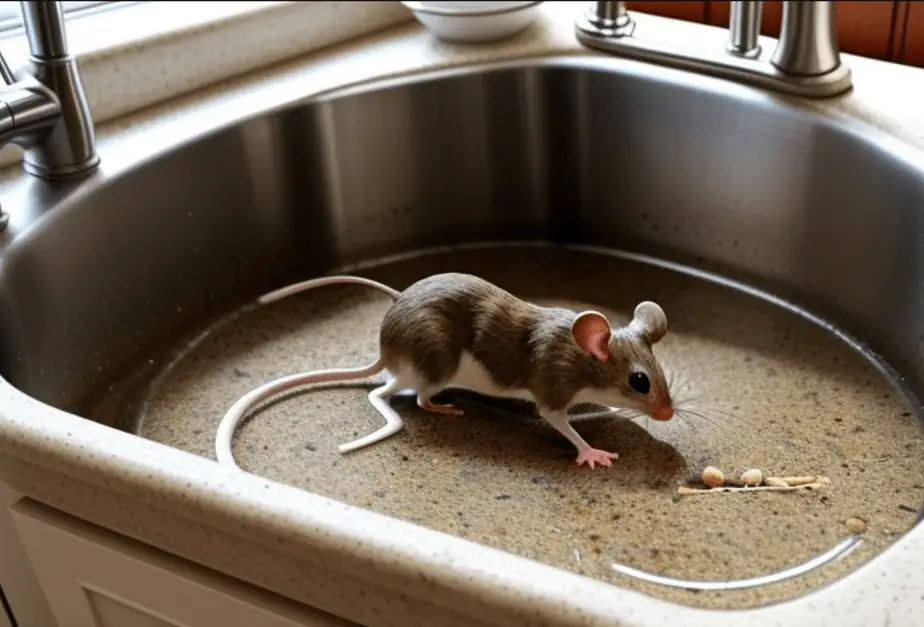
x=591 y=332
x=649 y=321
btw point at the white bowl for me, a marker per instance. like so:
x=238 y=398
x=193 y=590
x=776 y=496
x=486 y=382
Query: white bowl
x=471 y=22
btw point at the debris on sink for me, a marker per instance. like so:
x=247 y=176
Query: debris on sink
x=855 y=525
x=752 y=477
x=713 y=477
x=752 y=480
x=776 y=482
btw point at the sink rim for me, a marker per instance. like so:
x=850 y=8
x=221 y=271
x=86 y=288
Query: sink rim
x=30 y=429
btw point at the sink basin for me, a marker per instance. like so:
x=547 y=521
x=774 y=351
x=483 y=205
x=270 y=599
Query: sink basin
x=814 y=217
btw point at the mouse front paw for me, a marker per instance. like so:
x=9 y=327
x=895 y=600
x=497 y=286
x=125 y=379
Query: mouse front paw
x=591 y=456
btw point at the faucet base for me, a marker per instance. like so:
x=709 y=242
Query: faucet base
x=68 y=148
x=60 y=172
x=756 y=70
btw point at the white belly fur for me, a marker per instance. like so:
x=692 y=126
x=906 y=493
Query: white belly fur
x=470 y=375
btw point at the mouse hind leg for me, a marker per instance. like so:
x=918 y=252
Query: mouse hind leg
x=428 y=389
x=424 y=402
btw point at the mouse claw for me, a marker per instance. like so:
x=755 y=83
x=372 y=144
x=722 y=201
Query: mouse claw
x=591 y=456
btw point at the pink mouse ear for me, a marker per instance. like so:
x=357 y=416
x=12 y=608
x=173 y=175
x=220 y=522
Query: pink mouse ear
x=591 y=332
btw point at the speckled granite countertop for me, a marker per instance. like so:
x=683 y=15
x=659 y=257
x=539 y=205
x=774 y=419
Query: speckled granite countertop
x=367 y=567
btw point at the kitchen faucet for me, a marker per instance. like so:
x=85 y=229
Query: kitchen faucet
x=45 y=110
x=805 y=61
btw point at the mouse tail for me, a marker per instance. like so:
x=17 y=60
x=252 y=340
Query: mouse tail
x=310 y=284
x=271 y=389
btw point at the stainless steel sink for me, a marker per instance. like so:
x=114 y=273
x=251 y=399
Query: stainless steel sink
x=822 y=213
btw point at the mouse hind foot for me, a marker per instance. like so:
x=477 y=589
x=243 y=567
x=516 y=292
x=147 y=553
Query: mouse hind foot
x=426 y=404
x=428 y=389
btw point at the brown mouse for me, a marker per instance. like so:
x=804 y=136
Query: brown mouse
x=456 y=330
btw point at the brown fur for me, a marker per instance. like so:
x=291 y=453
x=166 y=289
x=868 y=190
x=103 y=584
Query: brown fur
x=520 y=345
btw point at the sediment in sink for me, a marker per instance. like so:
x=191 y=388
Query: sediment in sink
x=776 y=391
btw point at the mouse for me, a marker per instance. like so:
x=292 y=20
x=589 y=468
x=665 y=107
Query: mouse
x=457 y=330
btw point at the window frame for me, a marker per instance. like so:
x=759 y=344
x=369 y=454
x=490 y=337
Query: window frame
x=11 y=15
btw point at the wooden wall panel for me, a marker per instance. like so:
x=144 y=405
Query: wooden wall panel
x=690 y=11
x=913 y=45
x=893 y=31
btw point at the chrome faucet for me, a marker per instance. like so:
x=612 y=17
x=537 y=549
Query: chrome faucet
x=45 y=110
x=805 y=61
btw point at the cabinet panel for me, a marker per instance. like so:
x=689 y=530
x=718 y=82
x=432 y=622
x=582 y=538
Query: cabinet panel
x=20 y=587
x=95 y=578
x=110 y=612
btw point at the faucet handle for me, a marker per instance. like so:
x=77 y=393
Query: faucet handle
x=808 y=39
x=611 y=17
x=744 y=28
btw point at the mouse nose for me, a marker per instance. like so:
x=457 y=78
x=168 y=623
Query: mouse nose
x=664 y=412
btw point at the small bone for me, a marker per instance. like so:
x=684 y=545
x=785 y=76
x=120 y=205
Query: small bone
x=766 y=488
x=797 y=481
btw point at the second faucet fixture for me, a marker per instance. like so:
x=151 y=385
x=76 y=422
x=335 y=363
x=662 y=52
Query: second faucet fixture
x=805 y=62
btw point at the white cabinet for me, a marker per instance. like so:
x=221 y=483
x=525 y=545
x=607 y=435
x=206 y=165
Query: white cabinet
x=95 y=578
x=20 y=586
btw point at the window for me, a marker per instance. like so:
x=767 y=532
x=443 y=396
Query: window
x=136 y=53
x=11 y=14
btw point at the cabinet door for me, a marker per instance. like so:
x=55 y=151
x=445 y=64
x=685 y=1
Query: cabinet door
x=95 y=578
x=21 y=589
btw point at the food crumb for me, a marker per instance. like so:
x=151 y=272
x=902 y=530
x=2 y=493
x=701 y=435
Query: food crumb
x=855 y=525
x=713 y=477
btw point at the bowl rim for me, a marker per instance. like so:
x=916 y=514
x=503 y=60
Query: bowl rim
x=422 y=7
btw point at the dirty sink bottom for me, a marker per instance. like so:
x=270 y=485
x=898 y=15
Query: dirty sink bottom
x=768 y=388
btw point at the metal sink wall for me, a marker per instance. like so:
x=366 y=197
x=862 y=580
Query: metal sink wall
x=582 y=150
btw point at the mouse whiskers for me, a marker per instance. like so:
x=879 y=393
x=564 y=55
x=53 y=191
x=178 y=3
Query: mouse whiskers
x=693 y=414
x=676 y=382
x=693 y=418
x=606 y=412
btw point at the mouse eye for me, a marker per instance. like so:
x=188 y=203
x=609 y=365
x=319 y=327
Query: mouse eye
x=639 y=382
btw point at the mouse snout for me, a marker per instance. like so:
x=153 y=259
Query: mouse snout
x=662 y=412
